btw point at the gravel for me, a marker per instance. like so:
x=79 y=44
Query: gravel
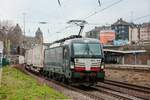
x=141 y=78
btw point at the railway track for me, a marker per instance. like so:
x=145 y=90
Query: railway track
x=117 y=95
x=82 y=91
x=129 y=89
x=98 y=93
x=95 y=93
x=129 y=86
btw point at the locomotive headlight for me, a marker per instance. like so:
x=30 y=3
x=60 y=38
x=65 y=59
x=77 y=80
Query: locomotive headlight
x=72 y=66
x=102 y=66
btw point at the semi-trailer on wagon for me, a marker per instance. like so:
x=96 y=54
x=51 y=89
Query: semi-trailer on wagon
x=34 y=58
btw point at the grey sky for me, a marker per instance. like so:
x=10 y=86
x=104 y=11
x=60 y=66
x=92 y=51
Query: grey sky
x=56 y=16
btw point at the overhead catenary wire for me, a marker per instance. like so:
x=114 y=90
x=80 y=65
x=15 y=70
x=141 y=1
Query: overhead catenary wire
x=64 y=28
x=59 y=2
x=99 y=2
x=107 y=7
x=142 y=17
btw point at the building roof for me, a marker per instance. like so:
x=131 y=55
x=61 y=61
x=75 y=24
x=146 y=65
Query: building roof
x=132 y=25
x=100 y=28
x=124 y=52
x=145 y=25
x=121 y=22
x=107 y=31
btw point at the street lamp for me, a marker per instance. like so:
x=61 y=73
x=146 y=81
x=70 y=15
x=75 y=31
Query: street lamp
x=47 y=24
x=43 y=23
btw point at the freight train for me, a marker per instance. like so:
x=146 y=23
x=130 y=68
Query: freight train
x=74 y=60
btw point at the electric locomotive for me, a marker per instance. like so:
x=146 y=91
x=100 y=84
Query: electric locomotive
x=75 y=60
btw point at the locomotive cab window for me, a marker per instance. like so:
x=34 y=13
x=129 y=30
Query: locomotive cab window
x=87 y=49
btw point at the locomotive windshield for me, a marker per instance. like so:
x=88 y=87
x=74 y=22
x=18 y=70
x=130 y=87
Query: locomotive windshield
x=87 y=49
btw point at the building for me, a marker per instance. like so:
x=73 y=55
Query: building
x=145 y=31
x=2 y=34
x=134 y=33
x=31 y=41
x=121 y=28
x=16 y=38
x=126 y=33
x=15 y=42
x=120 y=42
x=107 y=36
x=94 y=33
x=131 y=57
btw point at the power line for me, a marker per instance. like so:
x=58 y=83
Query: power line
x=63 y=29
x=59 y=3
x=142 y=17
x=109 y=6
x=99 y=2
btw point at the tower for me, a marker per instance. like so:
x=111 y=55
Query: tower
x=39 y=36
x=16 y=39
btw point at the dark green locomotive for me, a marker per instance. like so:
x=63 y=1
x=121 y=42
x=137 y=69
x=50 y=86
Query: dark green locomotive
x=75 y=60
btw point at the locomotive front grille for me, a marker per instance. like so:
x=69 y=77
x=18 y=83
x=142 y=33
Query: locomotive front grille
x=80 y=64
x=88 y=64
x=95 y=64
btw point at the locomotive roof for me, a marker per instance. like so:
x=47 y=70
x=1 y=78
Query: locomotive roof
x=83 y=40
x=75 y=40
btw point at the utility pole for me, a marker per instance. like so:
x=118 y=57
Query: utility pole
x=131 y=16
x=24 y=28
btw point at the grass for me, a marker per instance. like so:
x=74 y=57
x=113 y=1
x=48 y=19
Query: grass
x=19 y=86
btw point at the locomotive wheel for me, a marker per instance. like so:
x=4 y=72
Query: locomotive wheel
x=60 y=78
x=68 y=81
x=51 y=77
x=63 y=79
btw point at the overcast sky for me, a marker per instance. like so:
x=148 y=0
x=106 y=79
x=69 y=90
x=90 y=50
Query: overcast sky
x=57 y=16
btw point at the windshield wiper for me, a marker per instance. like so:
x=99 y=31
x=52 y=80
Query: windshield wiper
x=92 y=53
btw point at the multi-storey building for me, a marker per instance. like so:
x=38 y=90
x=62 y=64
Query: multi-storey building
x=145 y=31
x=107 y=37
x=95 y=33
x=121 y=28
x=134 y=32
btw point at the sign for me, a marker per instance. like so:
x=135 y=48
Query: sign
x=1 y=47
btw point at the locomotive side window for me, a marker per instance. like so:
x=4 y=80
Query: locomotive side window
x=66 y=57
x=66 y=52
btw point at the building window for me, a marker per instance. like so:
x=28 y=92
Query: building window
x=90 y=34
x=120 y=27
x=116 y=28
